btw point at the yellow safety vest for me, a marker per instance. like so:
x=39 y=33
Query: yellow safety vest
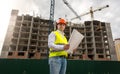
x=59 y=40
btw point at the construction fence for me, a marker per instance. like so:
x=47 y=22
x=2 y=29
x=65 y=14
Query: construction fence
x=34 y=66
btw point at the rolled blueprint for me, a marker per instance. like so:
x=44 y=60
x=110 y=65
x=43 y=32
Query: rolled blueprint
x=74 y=41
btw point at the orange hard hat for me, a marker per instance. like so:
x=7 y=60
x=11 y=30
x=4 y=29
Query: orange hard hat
x=61 y=21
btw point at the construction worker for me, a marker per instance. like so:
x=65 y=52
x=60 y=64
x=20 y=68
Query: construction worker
x=58 y=45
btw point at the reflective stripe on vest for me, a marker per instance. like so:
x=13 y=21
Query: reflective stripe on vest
x=59 y=39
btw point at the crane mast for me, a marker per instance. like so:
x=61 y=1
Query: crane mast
x=91 y=12
x=52 y=10
x=71 y=9
x=51 y=26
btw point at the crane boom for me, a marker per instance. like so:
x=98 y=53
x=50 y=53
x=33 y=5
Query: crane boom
x=91 y=12
x=71 y=9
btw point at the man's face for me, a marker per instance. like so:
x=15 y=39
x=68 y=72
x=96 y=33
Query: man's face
x=61 y=27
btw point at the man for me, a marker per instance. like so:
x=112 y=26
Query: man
x=58 y=45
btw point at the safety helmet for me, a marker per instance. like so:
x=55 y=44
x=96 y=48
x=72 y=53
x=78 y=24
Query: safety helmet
x=61 y=21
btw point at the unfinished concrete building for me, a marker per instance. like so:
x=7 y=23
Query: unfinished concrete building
x=27 y=37
x=97 y=43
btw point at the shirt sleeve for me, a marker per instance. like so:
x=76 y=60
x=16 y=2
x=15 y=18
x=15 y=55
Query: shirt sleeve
x=51 y=40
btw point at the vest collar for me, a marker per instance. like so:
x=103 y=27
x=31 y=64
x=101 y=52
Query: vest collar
x=61 y=32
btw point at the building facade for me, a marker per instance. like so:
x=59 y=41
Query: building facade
x=27 y=39
x=117 y=48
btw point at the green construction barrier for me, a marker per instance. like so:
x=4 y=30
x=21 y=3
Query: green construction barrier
x=34 y=66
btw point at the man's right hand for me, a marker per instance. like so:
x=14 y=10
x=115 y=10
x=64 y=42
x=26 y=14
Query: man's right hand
x=66 y=46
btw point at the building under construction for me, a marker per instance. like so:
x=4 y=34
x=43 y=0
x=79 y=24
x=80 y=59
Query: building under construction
x=27 y=38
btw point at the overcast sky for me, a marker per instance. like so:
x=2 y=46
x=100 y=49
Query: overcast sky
x=42 y=8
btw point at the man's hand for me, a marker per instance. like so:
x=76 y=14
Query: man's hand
x=66 y=47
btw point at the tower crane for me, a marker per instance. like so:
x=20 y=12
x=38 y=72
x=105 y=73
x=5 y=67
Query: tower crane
x=51 y=18
x=91 y=12
x=71 y=9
